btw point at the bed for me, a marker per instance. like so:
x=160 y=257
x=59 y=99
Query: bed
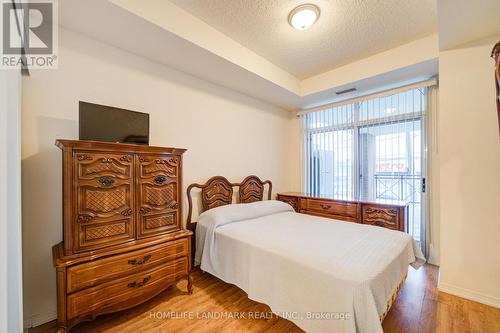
x=322 y=274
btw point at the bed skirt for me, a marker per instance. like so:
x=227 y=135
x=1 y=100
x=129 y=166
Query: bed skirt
x=391 y=300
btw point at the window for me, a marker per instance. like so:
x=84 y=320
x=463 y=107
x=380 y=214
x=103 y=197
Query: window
x=369 y=149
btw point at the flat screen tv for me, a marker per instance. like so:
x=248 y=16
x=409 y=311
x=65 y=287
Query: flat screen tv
x=106 y=123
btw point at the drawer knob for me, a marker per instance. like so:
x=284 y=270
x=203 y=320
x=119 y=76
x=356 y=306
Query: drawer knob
x=136 y=284
x=160 y=179
x=106 y=181
x=324 y=206
x=140 y=261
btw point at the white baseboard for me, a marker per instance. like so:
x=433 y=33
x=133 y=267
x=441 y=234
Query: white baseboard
x=39 y=319
x=469 y=294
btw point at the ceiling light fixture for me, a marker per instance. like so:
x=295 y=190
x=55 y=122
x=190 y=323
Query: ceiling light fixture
x=303 y=16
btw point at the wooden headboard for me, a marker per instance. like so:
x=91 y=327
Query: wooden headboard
x=218 y=191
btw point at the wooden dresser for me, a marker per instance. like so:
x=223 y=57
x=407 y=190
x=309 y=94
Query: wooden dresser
x=123 y=241
x=391 y=216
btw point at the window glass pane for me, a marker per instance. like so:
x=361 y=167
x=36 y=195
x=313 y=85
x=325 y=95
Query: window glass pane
x=331 y=160
x=391 y=106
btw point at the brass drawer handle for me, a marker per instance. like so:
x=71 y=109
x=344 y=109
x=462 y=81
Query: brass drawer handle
x=136 y=284
x=325 y=206
x=160 y=179
x=140 y=261
x=106 y=181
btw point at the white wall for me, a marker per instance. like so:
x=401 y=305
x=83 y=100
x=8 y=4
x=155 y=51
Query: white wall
x=226 y=133
x=10 y=202
x=469 y=165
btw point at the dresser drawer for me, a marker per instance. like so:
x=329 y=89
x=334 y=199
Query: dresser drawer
x=101 y=270
x=125 y=292
x=387 y=217
x=149 y=166
x=342 y=210
x=292 y=201
x=90 y=165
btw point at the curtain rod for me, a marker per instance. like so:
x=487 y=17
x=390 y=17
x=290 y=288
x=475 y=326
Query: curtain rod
x=388 y=92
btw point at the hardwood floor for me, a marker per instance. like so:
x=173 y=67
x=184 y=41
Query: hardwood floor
x=418 y=308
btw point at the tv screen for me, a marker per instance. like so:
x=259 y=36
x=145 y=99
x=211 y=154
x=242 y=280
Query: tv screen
x=106 y=123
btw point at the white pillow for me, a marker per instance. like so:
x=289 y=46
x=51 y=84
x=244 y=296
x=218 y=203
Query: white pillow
x=240 y=212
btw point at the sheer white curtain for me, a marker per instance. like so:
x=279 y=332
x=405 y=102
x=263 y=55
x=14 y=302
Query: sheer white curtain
x=371 y=148
x=431 y=196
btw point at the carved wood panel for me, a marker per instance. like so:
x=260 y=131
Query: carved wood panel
x=158 y=197
x=292 y=201
x=97 y=204
x=159 y=222
x=104 y=205
x=381 y=216
x=217 y=192
x=104 y=201
x=251 y=190
x=150 y=166
x=105 y=231
x=91 y=165
x=99 y=235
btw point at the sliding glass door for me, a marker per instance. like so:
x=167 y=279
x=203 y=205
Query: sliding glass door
x=390 y=167
x=370 y=150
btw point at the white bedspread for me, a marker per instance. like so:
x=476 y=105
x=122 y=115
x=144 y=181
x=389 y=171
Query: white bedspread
x=322 y=274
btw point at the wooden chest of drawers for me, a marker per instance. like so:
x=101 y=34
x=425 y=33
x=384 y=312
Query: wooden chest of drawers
x=117 y=282
x=121 y=293
x=102 y=270
x=391 y=216
x=122 y=237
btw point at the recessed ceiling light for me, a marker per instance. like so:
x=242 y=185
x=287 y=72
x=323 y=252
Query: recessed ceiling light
x=303 y=16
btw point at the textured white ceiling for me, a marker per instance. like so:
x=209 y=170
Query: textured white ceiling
x=348 y=30
x=463 y=21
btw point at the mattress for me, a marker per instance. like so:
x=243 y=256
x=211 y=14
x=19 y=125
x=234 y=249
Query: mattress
x=324 y=275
